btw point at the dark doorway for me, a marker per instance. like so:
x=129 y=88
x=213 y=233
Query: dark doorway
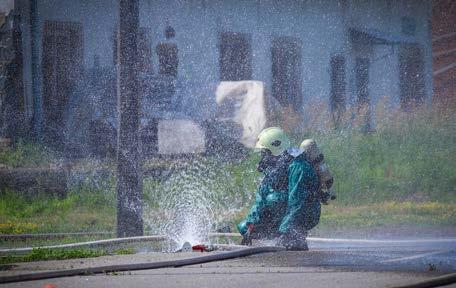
x=362 y=80
x=362 y=91
x=337 y=97
x=286 y=71
x=411 y=67
x=235 y=56
x=167 y=52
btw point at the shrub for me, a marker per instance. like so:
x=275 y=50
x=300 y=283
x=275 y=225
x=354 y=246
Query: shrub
x=23 y=154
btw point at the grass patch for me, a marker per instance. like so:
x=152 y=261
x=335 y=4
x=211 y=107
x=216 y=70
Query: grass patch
x=407 y=159
x=389 y=213
x=41 y=254
x=37 y=242
x=23 y=154
x=124 y=251
x=45 y=254
x=79 y=212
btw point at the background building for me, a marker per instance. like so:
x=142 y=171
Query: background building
x=13 y=101
x=444 y=51
x=62 y=68
x=334 y=58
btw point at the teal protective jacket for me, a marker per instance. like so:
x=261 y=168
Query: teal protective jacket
x=286 y=201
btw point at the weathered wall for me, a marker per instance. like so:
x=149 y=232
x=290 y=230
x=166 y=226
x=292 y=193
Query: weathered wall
x=444 y=52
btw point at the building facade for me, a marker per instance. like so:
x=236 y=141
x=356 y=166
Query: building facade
x=13 y=114
x=336 y=55
x=444 y=52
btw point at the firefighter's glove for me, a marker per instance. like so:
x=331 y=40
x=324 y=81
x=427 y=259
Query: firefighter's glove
x=247 y=236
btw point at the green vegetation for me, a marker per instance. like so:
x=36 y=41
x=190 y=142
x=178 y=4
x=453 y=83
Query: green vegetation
x=409 y=159
x=23 y=154
x=40 y=254
x=82 y=210
x=41 y=242
x=402 y=173
x=124 y=251
x=389 y=213
x=43 y=254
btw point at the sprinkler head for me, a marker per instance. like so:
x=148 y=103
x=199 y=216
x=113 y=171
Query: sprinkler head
x=187 y=247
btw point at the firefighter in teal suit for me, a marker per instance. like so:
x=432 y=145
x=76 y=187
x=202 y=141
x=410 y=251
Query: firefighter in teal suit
x=286 y=203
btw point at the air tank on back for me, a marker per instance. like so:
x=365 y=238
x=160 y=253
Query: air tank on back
x=316 y=158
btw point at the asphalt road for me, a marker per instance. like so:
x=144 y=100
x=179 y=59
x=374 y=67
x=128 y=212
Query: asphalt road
x=329 y=263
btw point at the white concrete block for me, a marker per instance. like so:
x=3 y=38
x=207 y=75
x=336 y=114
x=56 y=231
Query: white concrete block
x=180 y=136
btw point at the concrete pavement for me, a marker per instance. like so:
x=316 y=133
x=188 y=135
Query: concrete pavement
x=329 y=263
x=230 y=277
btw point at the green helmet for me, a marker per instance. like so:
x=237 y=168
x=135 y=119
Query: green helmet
x=273 y=139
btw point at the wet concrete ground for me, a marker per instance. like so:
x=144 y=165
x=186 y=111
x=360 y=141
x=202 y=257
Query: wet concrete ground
x=329 y=263
x=398 y=255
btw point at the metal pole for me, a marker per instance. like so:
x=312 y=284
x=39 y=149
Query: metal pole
x=36 y=73
x=129 y=182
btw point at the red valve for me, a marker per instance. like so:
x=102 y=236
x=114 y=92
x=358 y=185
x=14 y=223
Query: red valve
x=199 y=247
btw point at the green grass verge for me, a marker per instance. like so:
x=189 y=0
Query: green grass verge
x=40 y=242
x=389 y=214
x=411 y=159
x=44 y=254
x=40 y=254
x=79 y=212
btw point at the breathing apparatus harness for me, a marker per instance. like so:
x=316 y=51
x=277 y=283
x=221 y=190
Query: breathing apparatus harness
x=276 y=167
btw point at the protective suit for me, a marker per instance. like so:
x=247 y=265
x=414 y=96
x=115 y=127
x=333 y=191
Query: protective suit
x=287 y=204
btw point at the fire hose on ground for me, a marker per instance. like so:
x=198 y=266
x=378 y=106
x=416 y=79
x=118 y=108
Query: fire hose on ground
x=139 y=266
x=434 y=282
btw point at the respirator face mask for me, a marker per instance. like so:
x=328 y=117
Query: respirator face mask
x=267 y=160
